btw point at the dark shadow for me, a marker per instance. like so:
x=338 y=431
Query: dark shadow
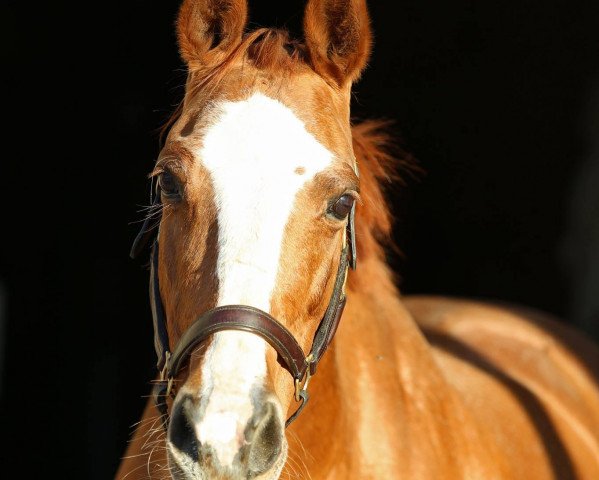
x=561 y=464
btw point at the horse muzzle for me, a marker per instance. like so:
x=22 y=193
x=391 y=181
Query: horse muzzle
x=206 y=443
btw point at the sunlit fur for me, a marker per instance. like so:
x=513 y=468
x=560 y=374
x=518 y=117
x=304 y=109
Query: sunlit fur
x=411 y=388
x=256 y=180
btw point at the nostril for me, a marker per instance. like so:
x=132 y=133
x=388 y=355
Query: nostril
x=264 y=432
x=181 y=433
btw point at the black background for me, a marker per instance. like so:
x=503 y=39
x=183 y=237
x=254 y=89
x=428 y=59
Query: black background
x=493 y=98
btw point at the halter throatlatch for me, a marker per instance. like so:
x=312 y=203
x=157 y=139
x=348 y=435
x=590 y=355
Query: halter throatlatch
x=243 y=318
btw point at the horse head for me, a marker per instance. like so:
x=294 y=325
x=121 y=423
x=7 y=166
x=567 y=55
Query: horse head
x=257 y=180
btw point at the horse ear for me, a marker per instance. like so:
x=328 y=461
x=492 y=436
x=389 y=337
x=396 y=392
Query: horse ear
x=209 y=29
x=338 y=38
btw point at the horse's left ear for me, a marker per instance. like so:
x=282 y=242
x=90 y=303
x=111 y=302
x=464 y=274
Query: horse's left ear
x=338 y=38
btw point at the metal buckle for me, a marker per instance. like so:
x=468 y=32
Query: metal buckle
x=303 y=386
x=164 y=374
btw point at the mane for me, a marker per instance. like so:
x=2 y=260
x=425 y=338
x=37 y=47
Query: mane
x=266 y=48
x=379 y=161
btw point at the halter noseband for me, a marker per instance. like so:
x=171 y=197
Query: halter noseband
x=243 y=318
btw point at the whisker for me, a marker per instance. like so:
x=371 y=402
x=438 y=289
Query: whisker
x=153 y=212
x=144 y=421
x=136 y=469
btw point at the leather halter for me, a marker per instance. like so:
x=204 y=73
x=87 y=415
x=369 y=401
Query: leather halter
x=242 y=318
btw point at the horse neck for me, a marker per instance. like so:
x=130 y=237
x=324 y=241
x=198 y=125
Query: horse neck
x=383 y=334
x=379 y=385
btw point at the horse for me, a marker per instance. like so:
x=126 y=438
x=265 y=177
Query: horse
x=272 y=228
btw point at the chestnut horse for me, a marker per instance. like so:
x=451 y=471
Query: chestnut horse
x=258 y=177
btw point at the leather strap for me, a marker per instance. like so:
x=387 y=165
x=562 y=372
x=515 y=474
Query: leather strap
x=304 y=397
x=243 y=318
x=351 y=233
x=330 y=321
x=160 y=395
x=161 y=340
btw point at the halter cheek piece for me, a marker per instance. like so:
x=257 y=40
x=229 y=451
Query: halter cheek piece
x=242 y=318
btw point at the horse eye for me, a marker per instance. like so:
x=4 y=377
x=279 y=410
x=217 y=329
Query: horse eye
x=168 y=184
x=342 y=206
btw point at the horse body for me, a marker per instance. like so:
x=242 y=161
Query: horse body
x=483 y=394
x=256 y=182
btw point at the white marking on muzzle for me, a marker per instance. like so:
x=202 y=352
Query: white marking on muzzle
x=252 y=151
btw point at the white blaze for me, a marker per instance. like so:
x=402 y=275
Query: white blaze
x=252 y=151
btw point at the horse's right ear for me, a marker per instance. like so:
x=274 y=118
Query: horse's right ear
x=338 y=38
x=209 y=29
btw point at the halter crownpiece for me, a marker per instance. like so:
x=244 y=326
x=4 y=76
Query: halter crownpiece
x=243 y=318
